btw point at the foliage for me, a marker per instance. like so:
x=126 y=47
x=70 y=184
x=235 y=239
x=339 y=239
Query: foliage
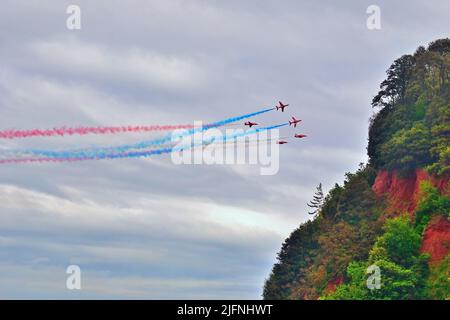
x=296 y=254
x=344 y=230
x=393 y=88
x=400 y=241
x=407 y=148
x=438 y=285
x=403 y=269
x=412 y=128
x=430 y=203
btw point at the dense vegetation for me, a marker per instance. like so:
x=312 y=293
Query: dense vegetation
x=412 y=128
x=396 y=253
x=328 y=257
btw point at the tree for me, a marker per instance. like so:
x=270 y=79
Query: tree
x=440 y=45
x=317 y=201
x=430 y=203
x=403 y=269
x=408 y=148
x=393 y=88
x=400 y=240
x=438 y=285
x=414 y=94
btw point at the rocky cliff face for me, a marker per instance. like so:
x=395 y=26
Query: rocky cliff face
x=436 y=240
x=402 y=193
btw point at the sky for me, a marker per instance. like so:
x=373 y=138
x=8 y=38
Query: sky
x=149 y=229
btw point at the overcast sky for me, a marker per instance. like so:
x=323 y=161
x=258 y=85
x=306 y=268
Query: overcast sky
x=146 y=228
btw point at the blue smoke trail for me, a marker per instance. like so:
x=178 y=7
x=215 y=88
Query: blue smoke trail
x=138 y=154
x=99 y=152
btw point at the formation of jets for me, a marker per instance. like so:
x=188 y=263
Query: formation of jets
x=293 y=122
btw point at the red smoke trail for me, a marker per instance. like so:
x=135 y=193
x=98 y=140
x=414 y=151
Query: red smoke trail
x=69 y=131
x=63 y=131
x=31 y=160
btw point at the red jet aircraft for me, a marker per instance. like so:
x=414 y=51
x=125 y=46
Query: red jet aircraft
x=281 y=106
x=250 y=124
x=281 y=142
x=294 y=122
x=300 y=136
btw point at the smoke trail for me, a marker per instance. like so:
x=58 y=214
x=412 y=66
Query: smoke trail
x=63 y=131
x=138 y=154
x=69 y=131
x=141 y=145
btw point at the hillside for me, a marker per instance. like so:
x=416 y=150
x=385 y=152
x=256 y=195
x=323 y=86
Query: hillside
x=394 y=211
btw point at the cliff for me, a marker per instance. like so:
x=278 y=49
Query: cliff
x=393 y=213
x=402 y=193
x=436 y=239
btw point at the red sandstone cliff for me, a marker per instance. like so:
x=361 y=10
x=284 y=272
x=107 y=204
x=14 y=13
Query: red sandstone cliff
x=402 y=196
x=436 y=239
x=402 y=193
